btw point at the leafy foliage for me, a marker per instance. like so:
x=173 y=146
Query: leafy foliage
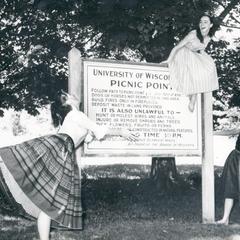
x=36 y=36
x=228 y=65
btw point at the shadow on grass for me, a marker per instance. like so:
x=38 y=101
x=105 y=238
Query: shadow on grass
x=121 y=202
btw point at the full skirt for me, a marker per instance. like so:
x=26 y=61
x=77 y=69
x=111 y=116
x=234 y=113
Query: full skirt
x=230 y=175
x=42 y=175
x=192 y=72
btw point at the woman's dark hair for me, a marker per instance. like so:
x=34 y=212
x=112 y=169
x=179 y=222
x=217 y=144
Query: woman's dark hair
x=212 y=29
x=237 y=146
x=58 y=110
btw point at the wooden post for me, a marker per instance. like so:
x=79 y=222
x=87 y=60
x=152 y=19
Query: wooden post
x=75 y=85
x=75 y=81
x=208 y=200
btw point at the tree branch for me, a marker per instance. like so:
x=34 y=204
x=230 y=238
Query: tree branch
x=227 y=10
x=229 y=26
x=220 y=3
x=91 y=38
x=96 y=42
x=234 y=18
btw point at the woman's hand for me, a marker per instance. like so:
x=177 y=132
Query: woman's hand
x=164 y=63
x=125 y=133
x=89 y=137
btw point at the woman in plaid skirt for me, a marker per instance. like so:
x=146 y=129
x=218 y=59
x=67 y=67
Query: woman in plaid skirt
x=42 y=174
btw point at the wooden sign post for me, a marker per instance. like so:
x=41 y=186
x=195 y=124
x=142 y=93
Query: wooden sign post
x=75 y=86
x=75 y=81
x=208 y=195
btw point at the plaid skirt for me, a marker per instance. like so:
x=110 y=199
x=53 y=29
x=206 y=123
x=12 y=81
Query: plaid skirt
x=46 y=171
x=230 y=175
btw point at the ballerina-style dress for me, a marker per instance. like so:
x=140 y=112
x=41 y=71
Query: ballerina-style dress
x=192 y=70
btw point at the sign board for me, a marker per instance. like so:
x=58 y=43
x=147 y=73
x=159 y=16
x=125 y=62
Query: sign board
x=138 y=97
x=117 y=83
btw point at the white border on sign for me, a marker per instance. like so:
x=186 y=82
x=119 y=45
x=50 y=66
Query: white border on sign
x=161 y=144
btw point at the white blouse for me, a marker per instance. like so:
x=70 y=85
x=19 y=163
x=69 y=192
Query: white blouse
x=77 y=125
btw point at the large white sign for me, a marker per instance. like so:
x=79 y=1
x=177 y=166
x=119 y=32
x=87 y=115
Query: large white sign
x=138 y=97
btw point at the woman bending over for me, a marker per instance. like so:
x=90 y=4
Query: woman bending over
x=192 y=70
x=42 y=174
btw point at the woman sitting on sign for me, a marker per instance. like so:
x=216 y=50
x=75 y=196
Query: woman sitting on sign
x=192 y=70
x=230 y=177
x=42 y=174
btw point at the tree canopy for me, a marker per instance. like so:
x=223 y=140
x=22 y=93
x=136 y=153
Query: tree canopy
x=36 y=36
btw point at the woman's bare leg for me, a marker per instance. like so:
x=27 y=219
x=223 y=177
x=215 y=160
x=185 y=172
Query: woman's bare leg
x=43 y=224
x=228 y=204
x=192 y=102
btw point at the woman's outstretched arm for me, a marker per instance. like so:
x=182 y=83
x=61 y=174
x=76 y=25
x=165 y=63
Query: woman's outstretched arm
x=181 y=44
x=102 y=131
x=125 y=133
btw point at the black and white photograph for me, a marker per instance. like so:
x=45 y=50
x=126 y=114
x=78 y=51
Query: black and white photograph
x=120 y=120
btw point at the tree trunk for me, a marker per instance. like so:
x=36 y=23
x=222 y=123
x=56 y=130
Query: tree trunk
x=164 y=173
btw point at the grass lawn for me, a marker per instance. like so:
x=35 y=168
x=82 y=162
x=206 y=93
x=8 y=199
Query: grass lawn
x=122 y=203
